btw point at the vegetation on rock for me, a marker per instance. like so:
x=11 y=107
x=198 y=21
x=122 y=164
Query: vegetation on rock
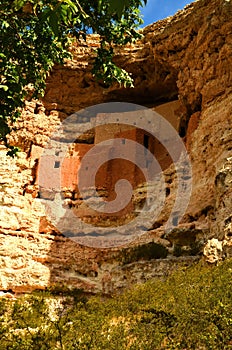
x=190 y=310
x=36 y=34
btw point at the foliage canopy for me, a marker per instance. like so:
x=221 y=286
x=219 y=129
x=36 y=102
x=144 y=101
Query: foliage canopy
x=36 y=34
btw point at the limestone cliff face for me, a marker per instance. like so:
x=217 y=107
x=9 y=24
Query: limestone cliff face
x=188 y=58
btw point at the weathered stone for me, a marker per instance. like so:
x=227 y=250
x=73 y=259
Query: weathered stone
x=213 y=251
x=185 y=57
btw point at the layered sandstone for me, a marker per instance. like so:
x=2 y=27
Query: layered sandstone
x=188 y=58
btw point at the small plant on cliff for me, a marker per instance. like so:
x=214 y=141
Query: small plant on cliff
x=36 y=34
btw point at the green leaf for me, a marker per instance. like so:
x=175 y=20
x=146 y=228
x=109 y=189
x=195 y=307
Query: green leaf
x=64 y=11
x=4 y=87
x=18 y=4
x=118 y=6
x=54 y=23
x=105 y=68
x=5 y=24
x=99 y=5
x=72 y=6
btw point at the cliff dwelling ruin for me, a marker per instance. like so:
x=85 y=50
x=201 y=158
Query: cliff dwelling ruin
x=113 y=168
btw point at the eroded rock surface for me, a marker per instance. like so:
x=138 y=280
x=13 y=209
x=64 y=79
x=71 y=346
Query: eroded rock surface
x=186 y=57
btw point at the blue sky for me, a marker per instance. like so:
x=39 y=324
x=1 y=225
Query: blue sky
x=159 y=9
